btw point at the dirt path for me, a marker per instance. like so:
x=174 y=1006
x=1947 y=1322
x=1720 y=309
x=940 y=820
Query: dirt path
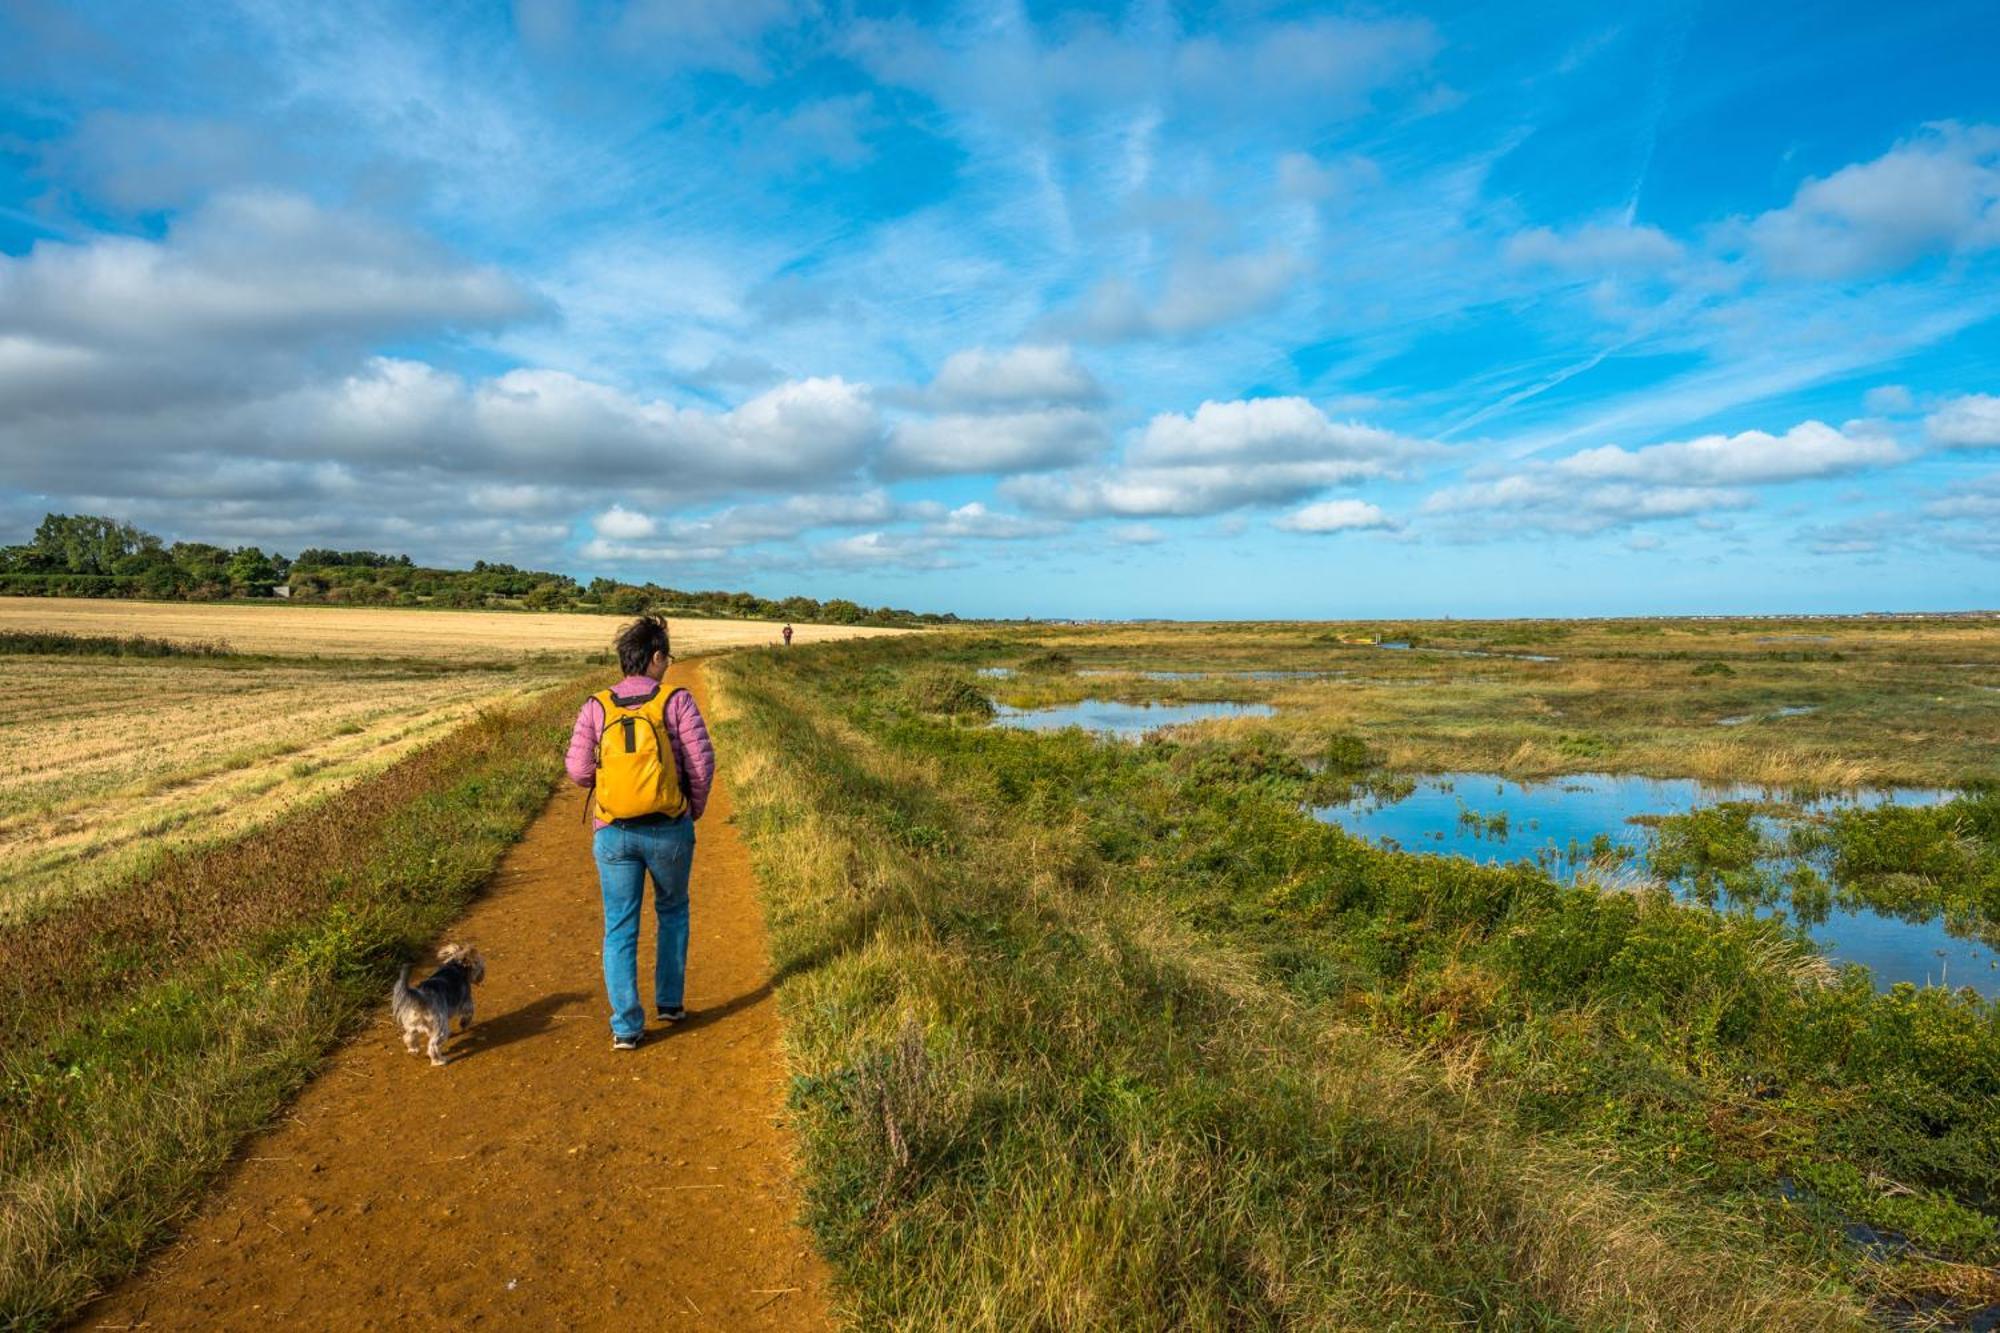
x=542 y=1180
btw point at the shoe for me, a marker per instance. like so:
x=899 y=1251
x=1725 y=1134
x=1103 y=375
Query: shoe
x=619 y=1043
x=673 y=1015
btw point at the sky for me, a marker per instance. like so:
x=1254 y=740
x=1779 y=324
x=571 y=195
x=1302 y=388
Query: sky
x=1129 y=310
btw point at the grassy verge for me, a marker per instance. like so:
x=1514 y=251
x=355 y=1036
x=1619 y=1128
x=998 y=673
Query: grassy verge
x=1107 y=1035
x=144 y=1033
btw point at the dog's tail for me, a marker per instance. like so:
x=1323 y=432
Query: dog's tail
x=400 y=996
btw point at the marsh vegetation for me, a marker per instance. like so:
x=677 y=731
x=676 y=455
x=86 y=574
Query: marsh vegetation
x=1120 y=1035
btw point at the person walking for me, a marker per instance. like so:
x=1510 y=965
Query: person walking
x=788 y=636
x=644 y=755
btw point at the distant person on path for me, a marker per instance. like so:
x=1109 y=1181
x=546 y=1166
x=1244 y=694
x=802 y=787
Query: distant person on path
x=788 y=636
x=646 y=759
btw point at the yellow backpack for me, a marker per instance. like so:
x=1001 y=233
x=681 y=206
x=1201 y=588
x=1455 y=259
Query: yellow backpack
x=636 y=772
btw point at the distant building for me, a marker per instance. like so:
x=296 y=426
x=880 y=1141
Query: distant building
x=282 y=590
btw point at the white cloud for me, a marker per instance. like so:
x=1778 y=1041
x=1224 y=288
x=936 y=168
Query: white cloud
x=1938 y=193
x=1549 y=502
x=1223 y=456
x=1336 y=516
x=1045 y=375
x=395 y=416
x=976 y=521
x=1167 y=492
x=1968 y=422
x=1136 y=534
x=1810 y=449
x=883 y=549
x=252 y=268
x=1260 y=430
x=745 y=524
x=1595 y=247
x=1004 y=442
x=1611 y=486
x=621 y=524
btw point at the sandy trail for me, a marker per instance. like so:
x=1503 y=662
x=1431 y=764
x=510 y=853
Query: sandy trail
x=541 y=1180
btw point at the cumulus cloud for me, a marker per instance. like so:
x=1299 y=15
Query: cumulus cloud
x=1266 y=430
x=1336 y=516
x=884 y=549
x=1810 y=449
x=1968 y=422
x=621 y=524
x=744 y=524
x=1223 y=456
x=394 y=418
x=1550 y=502
x=1170 y=492
x=1003 y=442
x=1611 y=486
x=977 y=522
x=253 y=268
x=1018 y=376
x=1594 y=247
x=1937 y=193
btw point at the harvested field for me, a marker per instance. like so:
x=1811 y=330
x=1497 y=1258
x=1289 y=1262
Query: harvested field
x=331 y=631
x=103 y=760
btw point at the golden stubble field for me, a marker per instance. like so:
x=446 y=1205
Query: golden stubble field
x=105 y=761
x=334 y=631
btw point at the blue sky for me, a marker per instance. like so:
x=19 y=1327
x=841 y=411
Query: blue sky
x=1121 y=310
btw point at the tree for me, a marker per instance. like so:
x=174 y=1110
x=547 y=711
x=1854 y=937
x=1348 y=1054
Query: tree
x=549 y=596
x=87 y=543
x=251 y=572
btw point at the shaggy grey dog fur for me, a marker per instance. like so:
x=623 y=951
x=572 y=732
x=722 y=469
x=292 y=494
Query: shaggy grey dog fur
x=444 y=995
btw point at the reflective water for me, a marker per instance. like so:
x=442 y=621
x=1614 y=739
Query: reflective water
x=1790 y=710
x=1492 y=819
x=1106 y=717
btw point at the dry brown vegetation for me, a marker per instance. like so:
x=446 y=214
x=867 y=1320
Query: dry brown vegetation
x=329 y=631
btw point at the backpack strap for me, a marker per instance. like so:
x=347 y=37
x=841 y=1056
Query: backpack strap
x=674 y=743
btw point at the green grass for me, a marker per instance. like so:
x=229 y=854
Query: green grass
x=145 y=1032
x=1088 y=1034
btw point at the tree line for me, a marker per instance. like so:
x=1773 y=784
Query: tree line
x=87 y=555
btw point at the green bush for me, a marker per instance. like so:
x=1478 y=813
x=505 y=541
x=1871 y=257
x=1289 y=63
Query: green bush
x=943 y=691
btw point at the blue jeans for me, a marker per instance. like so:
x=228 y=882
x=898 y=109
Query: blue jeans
x=625 y=852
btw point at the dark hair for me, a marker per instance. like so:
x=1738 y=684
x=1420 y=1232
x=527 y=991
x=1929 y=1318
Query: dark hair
x=638 y=641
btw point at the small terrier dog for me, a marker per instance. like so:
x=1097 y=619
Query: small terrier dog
x=444 y=995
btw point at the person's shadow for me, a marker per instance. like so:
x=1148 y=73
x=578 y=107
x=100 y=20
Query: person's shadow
x=701 y=1018
x=530 y=1020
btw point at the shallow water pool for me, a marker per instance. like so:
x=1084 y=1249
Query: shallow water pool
x=1492 y=819
x=1106 y=717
